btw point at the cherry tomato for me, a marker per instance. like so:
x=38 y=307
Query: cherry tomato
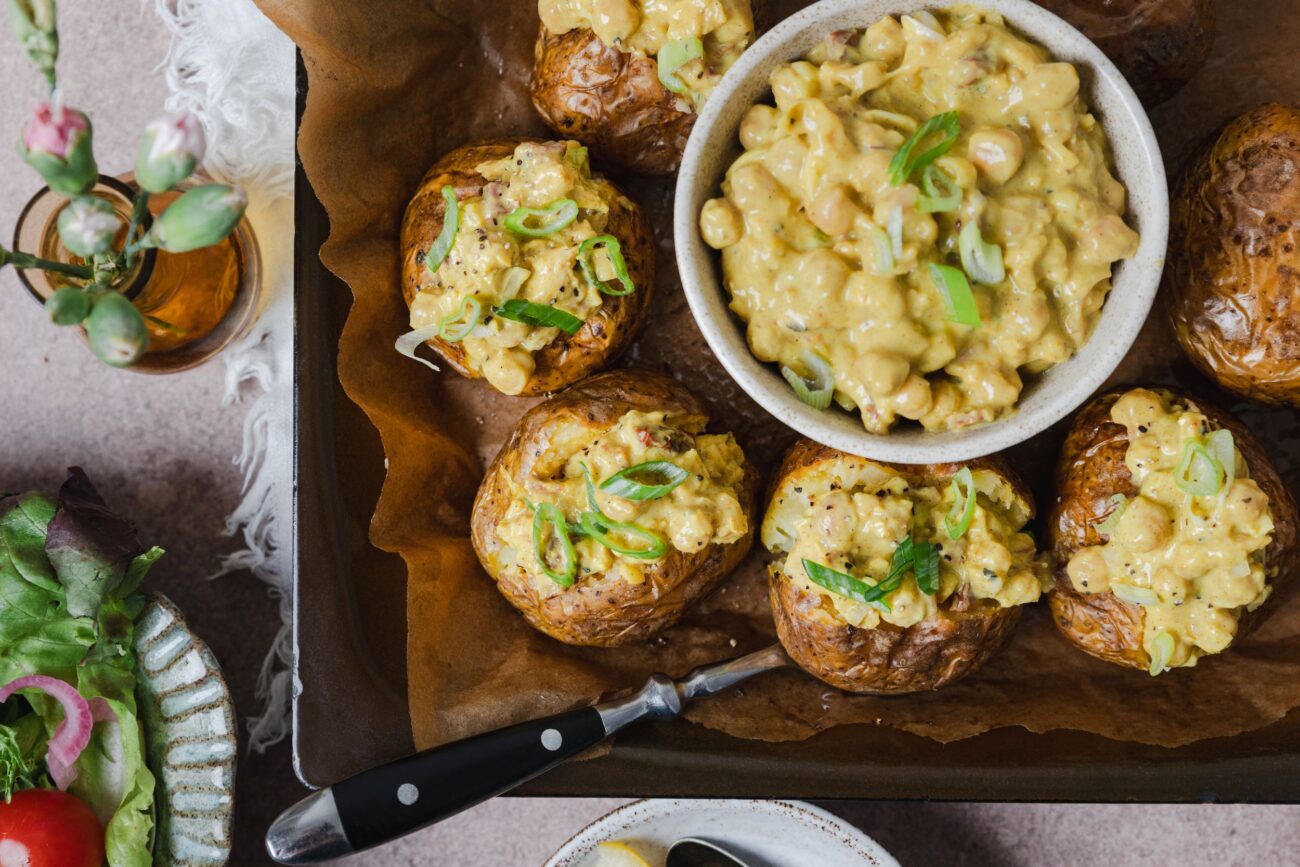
x=48 y=828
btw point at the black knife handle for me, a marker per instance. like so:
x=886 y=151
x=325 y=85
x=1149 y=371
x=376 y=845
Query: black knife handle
x=384 y=803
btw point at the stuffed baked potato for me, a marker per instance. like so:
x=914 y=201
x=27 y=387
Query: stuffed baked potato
x=945 y=544
x=1232 y=279
x=609 y=510
x=628 y=76
x=543 y=276
x=1171 y=531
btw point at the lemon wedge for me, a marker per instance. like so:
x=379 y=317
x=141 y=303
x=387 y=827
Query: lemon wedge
x=618 y=854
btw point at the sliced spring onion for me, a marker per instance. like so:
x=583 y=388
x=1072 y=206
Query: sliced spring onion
x=1161 y=651
x=921 y=558
x=959 y=517
x=894 y=223
x=412 y=340
x=614 y=250
x=815 y=392
x=601 y=528
x=941 y=192
x=1198 y=473
x=548 y=515
x=904 y=165
x=1224 y=449
x=1117 y=503
x=883 y=263
x=457 y=327
x=450 y=224
x=840 y=584
x=957 y=294
x=513 y=280
x=673 y=56
x=554 y=217
x=518 y=310
x=982 y=260
x=925 y=566
x=1136 y=595
x=623 y=484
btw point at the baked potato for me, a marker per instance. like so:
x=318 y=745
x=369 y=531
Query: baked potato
x=628 y=76
x=946 y=542
x=1232 y=279
x=543 y=278
x=1157 y=44
x=609 y=510
x=1146 y=494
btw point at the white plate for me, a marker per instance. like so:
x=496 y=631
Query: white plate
x=767 y=833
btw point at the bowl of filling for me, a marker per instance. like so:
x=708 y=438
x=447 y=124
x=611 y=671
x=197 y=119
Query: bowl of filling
x=921 y=235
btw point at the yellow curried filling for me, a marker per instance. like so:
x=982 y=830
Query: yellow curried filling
x=852 y=514
x=491 y=264
x=1193 y=563
x=725 y=28
x=702 y=510
x=822 y=254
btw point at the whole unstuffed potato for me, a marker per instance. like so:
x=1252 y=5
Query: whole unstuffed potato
x=855 y=515
x=612 y=587
x=1098 y=502
x=612 y=93
x=1158 y=44
x=486 y=253
x=1232 y=279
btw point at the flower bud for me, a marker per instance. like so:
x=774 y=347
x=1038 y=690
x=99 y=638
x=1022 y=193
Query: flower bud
x=201 y=217
x=68 y=305
x=88 y=225
x=116 y=330
x=171 y=149
x=58 y=144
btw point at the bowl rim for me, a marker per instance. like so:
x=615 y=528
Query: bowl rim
x=1073 y=381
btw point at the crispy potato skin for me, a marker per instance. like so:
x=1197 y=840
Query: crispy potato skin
x=1090 y=471
x=887 y=659
x=1232 y=279
x=1158 y=44
x=611 y=100
x=595 y=612
x=568 y=358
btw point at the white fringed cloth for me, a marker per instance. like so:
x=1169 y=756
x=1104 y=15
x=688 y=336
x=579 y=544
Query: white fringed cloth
x=230 y=66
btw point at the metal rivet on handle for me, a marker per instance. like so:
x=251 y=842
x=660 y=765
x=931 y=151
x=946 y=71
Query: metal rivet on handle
x=552 y=739
x=408 y=794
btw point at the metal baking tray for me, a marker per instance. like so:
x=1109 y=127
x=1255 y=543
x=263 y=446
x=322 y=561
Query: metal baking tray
x=349 y=704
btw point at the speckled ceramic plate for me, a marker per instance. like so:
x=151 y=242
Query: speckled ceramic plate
x=765 y=833
x=189 y=723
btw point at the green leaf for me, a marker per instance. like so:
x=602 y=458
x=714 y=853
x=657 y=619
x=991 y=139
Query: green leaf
x=36 y=634
x=24 y=521
x=13 y=763
x=137 y=570
x=89 y=545
x=114 y=779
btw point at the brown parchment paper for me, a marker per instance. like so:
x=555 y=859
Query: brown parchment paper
x=396 y=83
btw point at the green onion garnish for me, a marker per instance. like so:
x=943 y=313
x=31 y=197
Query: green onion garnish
x=1134 y=594
x=941 y=192
x=925 y=566
x=1224 y=449
x=921 y=558
x=1199 y=473
x=554 y=216
x=883 y=263
x=959 y=517
x=841 y=584
x=815 y=392
x=622 y=484
x=548 y=515
x=1117 y=503
x=450 y=223
x=957 y=294
x=673 y=56
x=457 y=326
x=527 y=312
x=903 y=166
x=1162 y=651
x=615 y=252
x=982 y=260
x=601 y=528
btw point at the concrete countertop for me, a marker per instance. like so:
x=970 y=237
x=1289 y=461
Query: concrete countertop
x=161 y=449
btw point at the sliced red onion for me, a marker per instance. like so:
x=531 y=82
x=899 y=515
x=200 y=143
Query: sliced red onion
x=73 y=734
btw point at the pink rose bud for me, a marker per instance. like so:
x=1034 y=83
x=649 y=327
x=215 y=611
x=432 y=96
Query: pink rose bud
x=171 y=149
x=58 y=144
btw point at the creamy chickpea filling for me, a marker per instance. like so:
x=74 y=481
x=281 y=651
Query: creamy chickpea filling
x=491 y=264
x=851 y=515
x=724 y=29
x=824 y=254
x=701 y=510
x=1194 y=563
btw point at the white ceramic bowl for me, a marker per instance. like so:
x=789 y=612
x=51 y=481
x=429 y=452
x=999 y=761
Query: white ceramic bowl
x=1047 y=398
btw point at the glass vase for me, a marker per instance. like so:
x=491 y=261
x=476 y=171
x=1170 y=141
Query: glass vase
x=195 y=304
